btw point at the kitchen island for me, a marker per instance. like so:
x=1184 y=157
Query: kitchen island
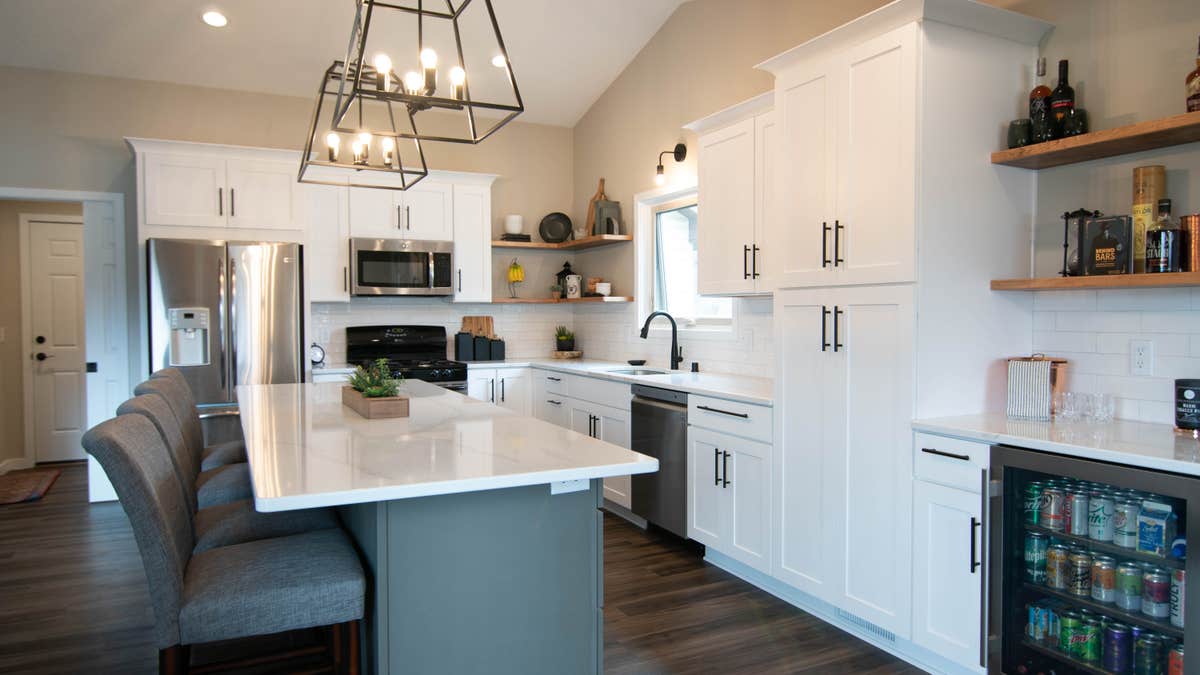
x=480 y=528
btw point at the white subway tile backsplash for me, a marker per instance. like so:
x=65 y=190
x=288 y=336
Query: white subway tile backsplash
x=1093 y=329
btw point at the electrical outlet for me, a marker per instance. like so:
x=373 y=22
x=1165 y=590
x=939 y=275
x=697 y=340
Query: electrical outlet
x=1141 y=357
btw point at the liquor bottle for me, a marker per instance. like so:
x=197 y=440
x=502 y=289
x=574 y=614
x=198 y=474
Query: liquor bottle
x=1041 y=123
x=1164 y=243
x=1062 y=98
x=1193 y=85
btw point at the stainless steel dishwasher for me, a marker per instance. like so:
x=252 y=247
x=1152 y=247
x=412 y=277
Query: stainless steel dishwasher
x=659 y=429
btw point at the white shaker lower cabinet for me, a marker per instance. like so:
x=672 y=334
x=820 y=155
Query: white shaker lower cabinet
x=948 y=574
x=481 y=384
x=552 y=408
x=506 y=387
x=607 y=424
x=842 y=460
x=729 y=495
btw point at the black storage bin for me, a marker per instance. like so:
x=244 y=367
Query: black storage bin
x=497 y=350
x=464 y=347
x=483 y=349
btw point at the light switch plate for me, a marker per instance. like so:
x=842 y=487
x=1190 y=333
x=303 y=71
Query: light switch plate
x=1141 y=357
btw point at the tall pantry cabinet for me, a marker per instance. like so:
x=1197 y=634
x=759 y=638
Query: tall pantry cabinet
x=891 y=222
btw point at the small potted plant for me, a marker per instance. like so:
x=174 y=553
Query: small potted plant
x=555 y=291
x=565 y=339
x=374 y=393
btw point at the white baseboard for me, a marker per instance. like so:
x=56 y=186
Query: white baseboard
x=900 y=648
x=15 y=464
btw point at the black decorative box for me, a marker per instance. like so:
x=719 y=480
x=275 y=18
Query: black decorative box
x=1106 y=245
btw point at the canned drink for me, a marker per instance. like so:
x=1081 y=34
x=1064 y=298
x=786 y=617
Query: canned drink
x=1087 y=644
x=1129 y=586
x=1036 y=546
x=1125 y=523
x=1104 y=579
x=1178 y=592
x=1033 y=501
x=1057 y=571
x=1148 y=656
x=1076 y=516
x=1052 y=514
x=1156 y=593
x=1117 y=649
x=1070 y=624
x=1175 y=661
x=1079 y=574
x=1100 y=516
x=1040 y=622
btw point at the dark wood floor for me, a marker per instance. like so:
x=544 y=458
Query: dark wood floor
x=73 y=599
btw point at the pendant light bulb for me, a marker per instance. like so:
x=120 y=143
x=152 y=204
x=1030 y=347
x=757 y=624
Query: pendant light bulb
x=413 y=82
x=382 y=63
x=660 y=178
x=499 y=61
x=389 y=149
x=332 y=140
x=383 y=72
x=364 y=138
x=457 y=76
x=428 y=58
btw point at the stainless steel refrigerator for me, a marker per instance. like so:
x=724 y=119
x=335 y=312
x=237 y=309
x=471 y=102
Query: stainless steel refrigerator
x=226 y=313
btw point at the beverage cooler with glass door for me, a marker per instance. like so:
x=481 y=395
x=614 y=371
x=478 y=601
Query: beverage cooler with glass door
x=1088 y=567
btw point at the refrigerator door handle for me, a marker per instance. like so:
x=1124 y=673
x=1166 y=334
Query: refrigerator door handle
x=224 y=347
x=233 y=359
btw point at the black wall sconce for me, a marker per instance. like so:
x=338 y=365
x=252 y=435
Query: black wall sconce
x=679 y=153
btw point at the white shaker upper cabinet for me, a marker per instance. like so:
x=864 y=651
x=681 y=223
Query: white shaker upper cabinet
x=263 y=194
x=725 y=227
x=327 y=247
x=472 y=243
x=185 y=190
x=428 y=211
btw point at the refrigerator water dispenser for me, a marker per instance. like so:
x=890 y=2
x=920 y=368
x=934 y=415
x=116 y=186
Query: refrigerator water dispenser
x=189 y=336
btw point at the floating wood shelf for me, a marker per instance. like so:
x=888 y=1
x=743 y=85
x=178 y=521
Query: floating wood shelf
x=555 y=301
x=1165 y=280
x=570 y=244
x=1160 y=133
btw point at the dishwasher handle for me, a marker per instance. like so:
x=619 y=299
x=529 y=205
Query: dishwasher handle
x=662 y=405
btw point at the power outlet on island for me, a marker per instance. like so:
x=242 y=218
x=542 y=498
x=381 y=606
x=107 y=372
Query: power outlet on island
x=1141 y=357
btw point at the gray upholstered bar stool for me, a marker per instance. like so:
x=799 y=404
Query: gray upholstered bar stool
x=256 y=588
x=226 y=524
x=211 y=456
x=216 y=485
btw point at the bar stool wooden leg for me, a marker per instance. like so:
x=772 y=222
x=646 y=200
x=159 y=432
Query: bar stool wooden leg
x=352 y=648
x=174 y=660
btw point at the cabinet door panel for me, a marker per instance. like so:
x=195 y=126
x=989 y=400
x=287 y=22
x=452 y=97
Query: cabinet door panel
x=808 y=495
x=873 y=381
x=185 y=190
x=373 y=213
x=513 y=389
x=613 y=427
x=706 y=497
x=947 y=588
x=262 y=195
x=428 y=209
x=749 y=493
x=552 y=409
x=876 y=159
x=726 y=209
x=796 y=239
x=766 y=195
x=579 y=416
x=472 y=243
x=327 y=250
x=481 y=384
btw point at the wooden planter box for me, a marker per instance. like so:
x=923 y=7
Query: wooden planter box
x=375 y=408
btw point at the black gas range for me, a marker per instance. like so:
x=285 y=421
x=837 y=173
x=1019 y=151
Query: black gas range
x=417 y=352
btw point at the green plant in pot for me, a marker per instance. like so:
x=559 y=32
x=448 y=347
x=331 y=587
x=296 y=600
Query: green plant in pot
x=375 y=381
x=565 y=339
x=555 y=291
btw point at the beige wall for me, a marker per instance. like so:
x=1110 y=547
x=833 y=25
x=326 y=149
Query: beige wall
x=12 y=351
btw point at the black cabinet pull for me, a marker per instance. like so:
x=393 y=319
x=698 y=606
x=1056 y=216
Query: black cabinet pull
x=407 y=218
x=824 y=321
x=837 y=243
x=232 y=204
x=824 y=244
x=493 y=383
x=745 y=269
x=723 y=412
x=460 y=280
x=724 y=469
x=754 y=262
x=345 y=278
x=836 y=313
x=554 y=379
x=975 y=564
x=502 y=397
x=717 y=467
x=220 y=201
x=553 y=402
x=943 y=453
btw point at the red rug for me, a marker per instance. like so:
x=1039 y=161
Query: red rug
x=26 y=486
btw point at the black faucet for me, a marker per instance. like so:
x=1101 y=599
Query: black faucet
x=676 y=352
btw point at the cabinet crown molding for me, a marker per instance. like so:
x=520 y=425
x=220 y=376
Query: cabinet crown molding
x=967 y=14
x=737 y=112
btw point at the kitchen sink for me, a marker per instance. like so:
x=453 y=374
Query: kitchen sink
x=636 y=371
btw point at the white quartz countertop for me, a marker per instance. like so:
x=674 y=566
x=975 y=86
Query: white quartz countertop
x=307 y=450
x=1140 y=444
x=756 y=390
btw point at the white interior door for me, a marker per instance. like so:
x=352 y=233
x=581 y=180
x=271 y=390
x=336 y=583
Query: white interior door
x=56 y=337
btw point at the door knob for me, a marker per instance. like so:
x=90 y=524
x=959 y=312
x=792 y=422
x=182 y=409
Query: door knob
x=41 y=339
x=42 y=356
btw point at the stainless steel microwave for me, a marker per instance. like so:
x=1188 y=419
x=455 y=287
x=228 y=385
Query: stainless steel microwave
x=401 y=267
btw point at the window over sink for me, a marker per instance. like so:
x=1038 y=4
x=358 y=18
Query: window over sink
x=675 y=269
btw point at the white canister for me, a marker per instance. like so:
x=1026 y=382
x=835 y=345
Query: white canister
x=574 y=286
x=604 y=288
x=513 y=224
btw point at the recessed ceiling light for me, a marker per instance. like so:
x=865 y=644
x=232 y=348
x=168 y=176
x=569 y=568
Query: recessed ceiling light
x=215 y=19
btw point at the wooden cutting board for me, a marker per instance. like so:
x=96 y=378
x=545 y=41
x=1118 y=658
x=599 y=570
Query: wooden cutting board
x=479 y=326
x=591 y=212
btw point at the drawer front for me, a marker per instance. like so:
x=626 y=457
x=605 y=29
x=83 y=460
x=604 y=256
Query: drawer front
x=594 y=390
x=550 y=382
x=731 y=417
x=950 y=461
x=319 y=378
